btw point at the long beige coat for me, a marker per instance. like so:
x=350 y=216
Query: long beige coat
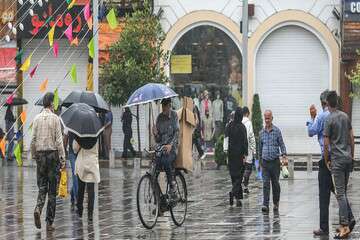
x=87 y=163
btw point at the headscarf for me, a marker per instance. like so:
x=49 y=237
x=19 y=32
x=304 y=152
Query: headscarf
x=238 y=115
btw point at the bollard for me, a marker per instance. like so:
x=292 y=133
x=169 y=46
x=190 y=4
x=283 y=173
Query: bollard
x=309 y=163
x=112 y=158
x=291 y=163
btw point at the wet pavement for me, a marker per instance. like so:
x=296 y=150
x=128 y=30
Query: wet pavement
x=209 y=215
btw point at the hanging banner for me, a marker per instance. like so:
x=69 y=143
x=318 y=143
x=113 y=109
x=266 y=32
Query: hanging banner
x=181 y=64
x=43 y=19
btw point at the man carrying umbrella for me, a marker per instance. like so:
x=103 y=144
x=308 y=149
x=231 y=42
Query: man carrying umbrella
x=166 y=132
x=48 y=150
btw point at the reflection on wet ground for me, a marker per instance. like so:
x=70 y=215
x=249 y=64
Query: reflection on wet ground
x=209 y=215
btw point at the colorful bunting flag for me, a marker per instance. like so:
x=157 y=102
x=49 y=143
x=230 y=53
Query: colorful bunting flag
x=32 y=73
x=91 y=48
x=68 y=1
x=56 y=49
x=90 y=23
x=25 y=67
x=23 y=117
x=10 y=99
x=111 y=18
x=19 y=55
x=75 y=42
x=2 y=146
x=73 y=73
x=51 y=35
x=43 y=86
x=31 y=126
x=87 y=11
x=17 y=153
x=71 y=4
x=69 y=33
x=56 y=99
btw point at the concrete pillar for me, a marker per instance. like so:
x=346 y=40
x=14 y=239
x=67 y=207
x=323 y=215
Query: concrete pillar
x=309 y=163
x=291 y=164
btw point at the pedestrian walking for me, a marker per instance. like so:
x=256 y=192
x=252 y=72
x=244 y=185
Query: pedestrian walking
x=237 y=152
x=339 y=137
x=69 y=141
x=127 y=130
x=10 y=132
x=47 y=149
x=271 y=143
x=251 y=148
x=197 y=133
x=87 y=171
x=208 y=131
x=315 y=126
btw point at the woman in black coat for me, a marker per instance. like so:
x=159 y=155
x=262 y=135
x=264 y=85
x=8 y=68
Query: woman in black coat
x=238 y=149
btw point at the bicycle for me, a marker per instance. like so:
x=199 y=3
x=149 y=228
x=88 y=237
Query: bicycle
x=151 y=200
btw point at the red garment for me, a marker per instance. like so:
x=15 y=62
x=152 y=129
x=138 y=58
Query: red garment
x=207 y=105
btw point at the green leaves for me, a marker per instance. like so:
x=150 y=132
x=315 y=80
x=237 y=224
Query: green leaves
x=256 y=118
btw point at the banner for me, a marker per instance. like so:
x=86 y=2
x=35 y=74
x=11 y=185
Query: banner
x=181 y=64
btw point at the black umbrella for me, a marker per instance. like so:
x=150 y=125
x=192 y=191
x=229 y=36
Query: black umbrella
x=90 y=98
x=17 y=102
x=39 y=102
x=82 y=120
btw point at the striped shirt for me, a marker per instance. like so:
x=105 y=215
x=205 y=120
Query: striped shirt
x=47 y=135
x=271 y=142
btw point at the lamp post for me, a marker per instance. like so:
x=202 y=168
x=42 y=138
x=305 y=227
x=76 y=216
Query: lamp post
x=245 y=24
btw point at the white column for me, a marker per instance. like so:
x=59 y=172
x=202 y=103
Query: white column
x=96 y=45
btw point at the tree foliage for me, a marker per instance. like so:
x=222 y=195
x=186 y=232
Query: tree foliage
x=354 y=77
x=136 y=59
x=257 y=120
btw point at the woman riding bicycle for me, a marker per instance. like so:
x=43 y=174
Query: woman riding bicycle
x=166 y=132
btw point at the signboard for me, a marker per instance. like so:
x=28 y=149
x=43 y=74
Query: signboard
x=181 y=64
x=52 y=11
x=7 y=14
x=351 y=10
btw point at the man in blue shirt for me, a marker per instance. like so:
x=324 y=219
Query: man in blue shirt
x=271 y=142
x=315 y=126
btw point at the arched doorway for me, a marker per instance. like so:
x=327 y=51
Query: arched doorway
x=215 y=66
x=292 y=68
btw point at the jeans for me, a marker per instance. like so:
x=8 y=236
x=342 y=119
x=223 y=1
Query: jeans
x=47 y=171
x=325 y=188
x=340 y=176
x=90 y=188
x=166 y=161
x=74 y=188
x=271 y=173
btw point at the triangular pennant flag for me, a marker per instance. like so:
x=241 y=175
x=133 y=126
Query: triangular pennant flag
x=25 y=67
x=75 y=42
x=56 y=99
x=56 y=49
x=17 y=153
x=30 y=127
x=87 y=11
x=43 y=86
x=10 y=99
x=69 y=32
x=91 y=48
x=73 y=73
x=68 y=1
x=90 y=23
x=111 y=18
x=23 y=117
x=2 y=146
x=32 y=73
x=71 y=4
x=51 y=35
x=19 y=56
x=19 y=136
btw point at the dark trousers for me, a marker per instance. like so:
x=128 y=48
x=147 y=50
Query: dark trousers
x=197 y=142
x=247 y=174
x=236 y=181
x=325 y=188
x=271 y=173
x=128 y=145
x=90 y=188
x=47 y=170
x=166 y=161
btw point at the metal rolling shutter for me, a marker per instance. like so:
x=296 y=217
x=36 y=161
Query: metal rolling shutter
x=356 y=123
x=53 y=69
x=292 y=69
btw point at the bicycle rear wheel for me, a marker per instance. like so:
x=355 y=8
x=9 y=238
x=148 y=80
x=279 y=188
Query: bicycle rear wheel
x=147 y=202
x=178 y=211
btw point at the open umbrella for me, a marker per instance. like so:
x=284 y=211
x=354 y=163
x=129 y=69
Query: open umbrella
x=150 y=92
x=90 y=98
x=39 y=102
x=17 y=101
x=82 y=120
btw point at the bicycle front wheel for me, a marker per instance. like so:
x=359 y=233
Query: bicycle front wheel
x=178 y=211
x=147 y=202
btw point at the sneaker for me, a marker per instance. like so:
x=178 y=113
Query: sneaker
x=276 y=207
x=320 y=232
x=265 y=209
x=352 y=224
x=246 y=190
x=37 y=219
x=231 y=198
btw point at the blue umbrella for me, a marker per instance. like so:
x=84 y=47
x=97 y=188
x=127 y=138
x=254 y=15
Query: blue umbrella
x=150 y=92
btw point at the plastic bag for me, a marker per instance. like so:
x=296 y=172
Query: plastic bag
x=63 y=192
x=226 y=144
x=284 y=172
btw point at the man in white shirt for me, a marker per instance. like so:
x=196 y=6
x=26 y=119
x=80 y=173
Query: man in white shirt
x=252 y=148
